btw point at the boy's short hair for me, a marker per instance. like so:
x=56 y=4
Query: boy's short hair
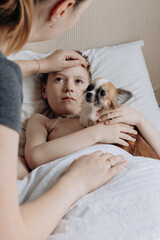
x=43 y=77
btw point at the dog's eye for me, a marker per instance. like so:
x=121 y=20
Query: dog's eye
x=102 y=93
x=90 y=87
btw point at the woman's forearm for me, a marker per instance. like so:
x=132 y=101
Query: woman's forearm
x=60 y=147
x=42 y=215
x=28 y=67
x=151 y=135
x=37 y=220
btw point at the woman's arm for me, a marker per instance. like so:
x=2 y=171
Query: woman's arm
x=25 y=222
x=56 y=61
x=28 y=67
x=9 y=208
x=49 y=209
x=128 y=115
x=38 y=151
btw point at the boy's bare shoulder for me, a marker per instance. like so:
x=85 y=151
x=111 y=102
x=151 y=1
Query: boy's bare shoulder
x=37 y=117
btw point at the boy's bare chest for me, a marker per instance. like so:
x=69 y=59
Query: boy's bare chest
x=61 y=127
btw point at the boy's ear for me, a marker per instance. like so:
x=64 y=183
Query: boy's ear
x=43 y=91
x=60 y=9
x=122 y=96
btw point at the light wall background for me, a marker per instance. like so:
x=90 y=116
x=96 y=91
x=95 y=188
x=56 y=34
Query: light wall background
x=109 y=22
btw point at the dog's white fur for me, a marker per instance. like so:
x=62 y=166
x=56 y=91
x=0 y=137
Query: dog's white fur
x=99 y=82
x=88 y=114
x=113 y=98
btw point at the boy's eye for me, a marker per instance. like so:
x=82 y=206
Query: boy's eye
x=79 y=81
x=59 y=79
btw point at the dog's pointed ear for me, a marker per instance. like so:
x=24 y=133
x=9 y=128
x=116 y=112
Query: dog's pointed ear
x=122 y=96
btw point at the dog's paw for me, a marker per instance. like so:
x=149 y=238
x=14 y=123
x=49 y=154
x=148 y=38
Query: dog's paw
x=90 y=122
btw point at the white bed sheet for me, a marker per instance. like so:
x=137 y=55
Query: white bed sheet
x=126 y=208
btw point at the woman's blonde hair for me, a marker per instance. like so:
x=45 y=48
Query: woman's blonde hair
x=16 y=21
x=15 y=24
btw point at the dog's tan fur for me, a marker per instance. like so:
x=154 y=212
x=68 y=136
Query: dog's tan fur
x=113 y=100
x=138 y=148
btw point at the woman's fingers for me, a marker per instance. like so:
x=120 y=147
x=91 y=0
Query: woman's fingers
x=74 y=59
x=114 y=159
x=106 y=157
x=94 y=170
x=62 y=59
x=118 y=167
x=115 y=164
x=97 y=155
x=75 y=63
x=82 y=156
x=109 y=159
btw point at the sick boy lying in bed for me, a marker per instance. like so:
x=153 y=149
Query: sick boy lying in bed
x=48 y=139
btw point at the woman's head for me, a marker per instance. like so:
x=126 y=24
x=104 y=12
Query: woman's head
x=15 y=24
x=36 y=20
x=63 y=90
x=55 y=16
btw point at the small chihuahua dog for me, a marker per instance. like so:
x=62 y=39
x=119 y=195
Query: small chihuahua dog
x=102 y=96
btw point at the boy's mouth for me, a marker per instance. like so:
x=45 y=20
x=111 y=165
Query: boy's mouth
x=68 y=99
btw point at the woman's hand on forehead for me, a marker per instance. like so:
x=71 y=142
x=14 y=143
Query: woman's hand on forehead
x=60 y=60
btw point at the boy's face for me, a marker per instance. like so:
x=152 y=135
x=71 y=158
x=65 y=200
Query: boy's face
x=64 y=89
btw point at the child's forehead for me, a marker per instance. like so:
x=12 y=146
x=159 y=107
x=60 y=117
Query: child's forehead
x=78 y=71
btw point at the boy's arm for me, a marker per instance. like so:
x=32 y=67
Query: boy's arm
x=128 y=115
x=38 y=151
x=151 y=135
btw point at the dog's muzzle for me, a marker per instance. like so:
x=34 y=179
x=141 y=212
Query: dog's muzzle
x=96 y=100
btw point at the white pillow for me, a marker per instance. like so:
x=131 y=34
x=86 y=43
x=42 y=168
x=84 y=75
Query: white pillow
x=32 y=100
x=122 y=64
x=125 y=66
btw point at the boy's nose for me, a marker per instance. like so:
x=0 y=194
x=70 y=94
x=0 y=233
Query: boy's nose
x=68 y=88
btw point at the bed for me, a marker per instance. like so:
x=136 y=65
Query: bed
x=125 y=49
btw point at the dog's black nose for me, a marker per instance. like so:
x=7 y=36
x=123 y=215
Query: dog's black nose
x=89 y=96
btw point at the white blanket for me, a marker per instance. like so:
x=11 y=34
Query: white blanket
x=126 y=208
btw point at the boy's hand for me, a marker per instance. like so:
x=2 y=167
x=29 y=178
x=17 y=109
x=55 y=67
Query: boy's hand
x=123 y=114
x=118 y=133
